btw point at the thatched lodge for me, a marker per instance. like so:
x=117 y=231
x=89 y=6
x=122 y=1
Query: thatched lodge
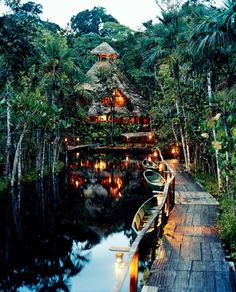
x=115 y=98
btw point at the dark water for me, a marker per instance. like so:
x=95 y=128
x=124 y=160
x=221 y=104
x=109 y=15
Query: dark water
x=55 y=235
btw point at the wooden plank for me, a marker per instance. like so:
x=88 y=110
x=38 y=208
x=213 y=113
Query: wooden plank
x=192 y=257
x=196 y=281
x=181 y=281
x=196 y=251
x=222 y=281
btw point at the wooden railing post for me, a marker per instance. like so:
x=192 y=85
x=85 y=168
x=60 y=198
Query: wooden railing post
x=134 y=273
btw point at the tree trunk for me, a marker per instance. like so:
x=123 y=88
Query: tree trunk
x=16 y=158
x=19 y=174
x=7 y=167
x=186 y=141
x=39 y=152
x=174 y=133
x=182 y=134
x=43 y=158
x=209 y=89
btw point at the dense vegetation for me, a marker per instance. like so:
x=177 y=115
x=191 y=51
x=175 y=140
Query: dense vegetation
x=184 y=65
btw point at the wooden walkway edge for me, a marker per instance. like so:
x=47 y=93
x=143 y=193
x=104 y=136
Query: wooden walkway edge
x=190 y=257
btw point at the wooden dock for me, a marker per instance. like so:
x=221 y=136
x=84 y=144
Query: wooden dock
x=190 y=257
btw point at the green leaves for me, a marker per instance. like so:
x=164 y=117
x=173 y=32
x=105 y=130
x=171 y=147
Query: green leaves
x=234 y=133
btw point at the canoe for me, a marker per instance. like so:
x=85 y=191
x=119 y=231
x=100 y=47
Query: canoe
x=154 y=180
x=144 y=213
x=149 y=164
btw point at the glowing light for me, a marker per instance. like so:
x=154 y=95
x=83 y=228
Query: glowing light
x=161 y=167
x=66 y=140
x=77 y=155
x=173 y=150
x=76 y=184
x=155 y=154
x=101 y=165
x=150 y=136
x=127 y=158
x=119 y=263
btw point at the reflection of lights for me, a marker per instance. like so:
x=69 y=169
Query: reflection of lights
x=149 y=158
x=114 y=185
x=119 y=263
x=155 y=154
x=101 y=165
x=127 y=158
x=77 y=155
x=77 y=140
x=76 y=180
x=149 y=136
x=66 y=140
x=76 y=184
x=119 y=182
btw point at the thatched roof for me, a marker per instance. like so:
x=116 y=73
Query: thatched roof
x=117 y=80
x=104 y=49
x=105 y=74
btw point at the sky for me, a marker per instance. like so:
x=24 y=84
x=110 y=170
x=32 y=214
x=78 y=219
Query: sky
x=131 y=13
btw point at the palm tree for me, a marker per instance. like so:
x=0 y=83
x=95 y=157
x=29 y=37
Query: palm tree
x=166 y=46
x=213 y=43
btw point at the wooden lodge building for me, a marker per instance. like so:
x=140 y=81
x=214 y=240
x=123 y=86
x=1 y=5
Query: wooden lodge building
x=115 y=98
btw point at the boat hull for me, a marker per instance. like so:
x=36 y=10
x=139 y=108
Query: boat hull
x=144 y=213
x=154 y=180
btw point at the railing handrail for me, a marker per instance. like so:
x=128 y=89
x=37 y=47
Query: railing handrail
x=134 y=247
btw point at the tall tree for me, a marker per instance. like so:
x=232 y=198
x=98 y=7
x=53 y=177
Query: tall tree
x=91 y=21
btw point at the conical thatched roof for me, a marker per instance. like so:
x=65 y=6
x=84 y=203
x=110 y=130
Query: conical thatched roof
x=105 y=74
x=138 y=104
x=104 y=49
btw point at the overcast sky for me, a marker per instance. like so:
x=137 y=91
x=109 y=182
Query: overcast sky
x=131 y=13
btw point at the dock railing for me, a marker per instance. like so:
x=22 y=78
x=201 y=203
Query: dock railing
x=162 y=213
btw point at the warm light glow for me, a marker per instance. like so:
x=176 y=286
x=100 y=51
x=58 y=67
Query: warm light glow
x=161 y=167
x=101 y=165
x=155 y=154
x=77 y=139
x=119 y=263
x=150 y=136
x=127 y=158
x=76 y=184
x=173 y=150
x=66 y=140
x=77 y=154
x=114 y=185
x=102 y=118
x=76 y=180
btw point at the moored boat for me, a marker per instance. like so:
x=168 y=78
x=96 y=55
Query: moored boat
x=154 y=180
x=145 y=212
x=149 y=164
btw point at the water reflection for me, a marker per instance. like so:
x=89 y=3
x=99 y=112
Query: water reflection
x=57 y=235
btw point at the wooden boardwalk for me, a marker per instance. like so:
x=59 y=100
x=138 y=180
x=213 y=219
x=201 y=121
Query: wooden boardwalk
x=190 y=257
